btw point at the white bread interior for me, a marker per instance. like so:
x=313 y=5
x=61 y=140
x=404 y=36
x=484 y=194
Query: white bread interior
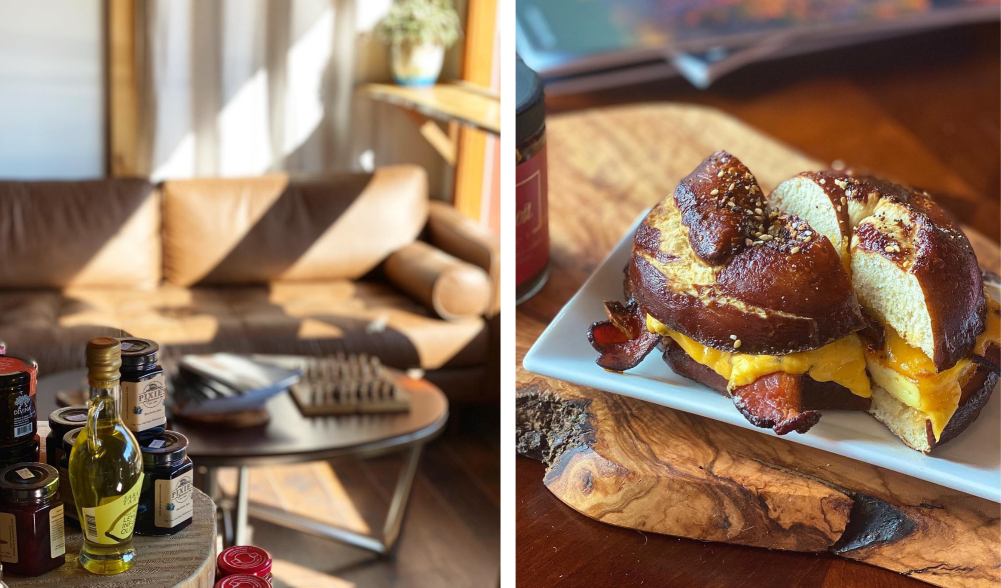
x=885 y=288
x=805 y=197
x=903 y=421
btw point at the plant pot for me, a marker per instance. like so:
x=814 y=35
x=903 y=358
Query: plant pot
x=417 y=65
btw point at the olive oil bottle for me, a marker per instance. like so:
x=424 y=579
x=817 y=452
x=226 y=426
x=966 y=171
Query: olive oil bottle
x=106 y=468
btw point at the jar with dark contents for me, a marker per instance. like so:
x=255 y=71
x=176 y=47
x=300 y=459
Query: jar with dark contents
x=32 y=536
x=20 y=453
x=166 y=504
x=65 y=490
x=144 y=388
x=531 y=186
x=18 y=420
x=62 y=421
x=244 y=560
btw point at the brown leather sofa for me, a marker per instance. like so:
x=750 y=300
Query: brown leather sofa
x=317 y=265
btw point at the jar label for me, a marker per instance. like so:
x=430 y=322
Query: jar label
x=23 y=416
x=142 y=403
x=174 y=503
x=531 y=218
x=112 y=523
x=8 y=538
x=57 y=534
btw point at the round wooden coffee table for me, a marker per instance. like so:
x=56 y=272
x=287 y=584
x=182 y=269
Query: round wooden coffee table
x=289 y=437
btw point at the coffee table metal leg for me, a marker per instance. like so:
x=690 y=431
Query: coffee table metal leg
x=394 y=519
x=242 y=491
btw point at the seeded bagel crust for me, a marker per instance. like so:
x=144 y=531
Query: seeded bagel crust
x=734 y=276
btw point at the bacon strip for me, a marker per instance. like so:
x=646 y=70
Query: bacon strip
x=775 y=402
x=623 y=340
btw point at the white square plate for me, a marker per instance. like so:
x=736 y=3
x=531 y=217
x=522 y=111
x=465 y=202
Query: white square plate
x=970 y=463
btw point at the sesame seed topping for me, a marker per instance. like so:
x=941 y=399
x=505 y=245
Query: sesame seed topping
x=807 y=239
x=844 y=200
x=841 y=184
x=823 y=181
x=839 y=208
x=757 y=211
x=714 y=192
x=766 y=237
x=748 y=242
x=720 y=174
x=733 y=337
x=795 y=249
x=736 y=344
x=732 y=184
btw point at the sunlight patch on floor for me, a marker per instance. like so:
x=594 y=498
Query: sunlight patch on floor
x=299 y=577
x=311 y=490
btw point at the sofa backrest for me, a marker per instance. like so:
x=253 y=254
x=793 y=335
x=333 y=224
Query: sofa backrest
x=81 y=233
x=275 y=228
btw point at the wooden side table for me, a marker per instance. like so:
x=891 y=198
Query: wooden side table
x=184 y=560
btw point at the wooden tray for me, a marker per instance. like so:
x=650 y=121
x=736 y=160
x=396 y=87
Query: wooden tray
x=651 y=468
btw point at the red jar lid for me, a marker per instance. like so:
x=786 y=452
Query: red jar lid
x=242 y=581
x=244 y=559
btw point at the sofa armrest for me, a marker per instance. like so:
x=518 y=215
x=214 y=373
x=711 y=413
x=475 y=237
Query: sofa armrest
x=467 y=240
x=450 y=287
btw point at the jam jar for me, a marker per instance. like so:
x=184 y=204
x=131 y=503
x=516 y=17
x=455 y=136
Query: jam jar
x=144 y=388
x=31 y=519
x=65 y=491
x=166 y=504
x=18 y=420
x=20 y=453
x=531 y=186
x=62 y=421
x=244 y=559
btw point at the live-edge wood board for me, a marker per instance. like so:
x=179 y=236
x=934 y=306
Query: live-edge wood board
x=633 y=464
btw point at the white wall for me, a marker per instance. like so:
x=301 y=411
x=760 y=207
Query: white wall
x=51 y=89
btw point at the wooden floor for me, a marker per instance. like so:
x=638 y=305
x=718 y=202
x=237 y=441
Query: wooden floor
x=451 y=536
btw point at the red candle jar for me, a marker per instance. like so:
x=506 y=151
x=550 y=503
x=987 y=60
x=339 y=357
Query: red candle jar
x=242 y=581
x=32 y=539
x=531 y=186
x=244 y=560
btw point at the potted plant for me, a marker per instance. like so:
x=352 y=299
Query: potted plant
x=419 y=32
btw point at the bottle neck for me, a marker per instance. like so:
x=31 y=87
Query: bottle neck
x=110 y=401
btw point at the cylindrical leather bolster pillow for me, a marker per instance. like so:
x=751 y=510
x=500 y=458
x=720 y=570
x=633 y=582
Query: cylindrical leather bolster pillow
x=450 y=287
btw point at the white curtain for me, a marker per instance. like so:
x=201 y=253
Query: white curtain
x=243 y=87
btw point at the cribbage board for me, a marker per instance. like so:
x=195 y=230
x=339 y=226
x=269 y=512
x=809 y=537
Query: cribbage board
x=345 y=384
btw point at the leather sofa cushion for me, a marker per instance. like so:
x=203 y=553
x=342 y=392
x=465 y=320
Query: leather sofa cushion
x=450 y=287
x=82 y=233
x=300 y=318
x=273 y=228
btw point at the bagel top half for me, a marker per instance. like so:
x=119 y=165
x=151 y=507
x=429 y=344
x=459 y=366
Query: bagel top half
x=715 y=263
x=912 y=268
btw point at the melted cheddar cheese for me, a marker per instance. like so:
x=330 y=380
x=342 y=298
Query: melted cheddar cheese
x=909 y=375
x=841 y=362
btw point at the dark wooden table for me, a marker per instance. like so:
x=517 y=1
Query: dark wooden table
x=925 y=110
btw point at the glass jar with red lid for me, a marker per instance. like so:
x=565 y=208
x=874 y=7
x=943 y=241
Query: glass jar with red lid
x=242 y=581
x=32 y=537
x=244 y=560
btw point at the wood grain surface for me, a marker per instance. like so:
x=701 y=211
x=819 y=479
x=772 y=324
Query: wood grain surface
x=184 y=560
x=605 y=167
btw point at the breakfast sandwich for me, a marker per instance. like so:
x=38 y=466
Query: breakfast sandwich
x=749 y=300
